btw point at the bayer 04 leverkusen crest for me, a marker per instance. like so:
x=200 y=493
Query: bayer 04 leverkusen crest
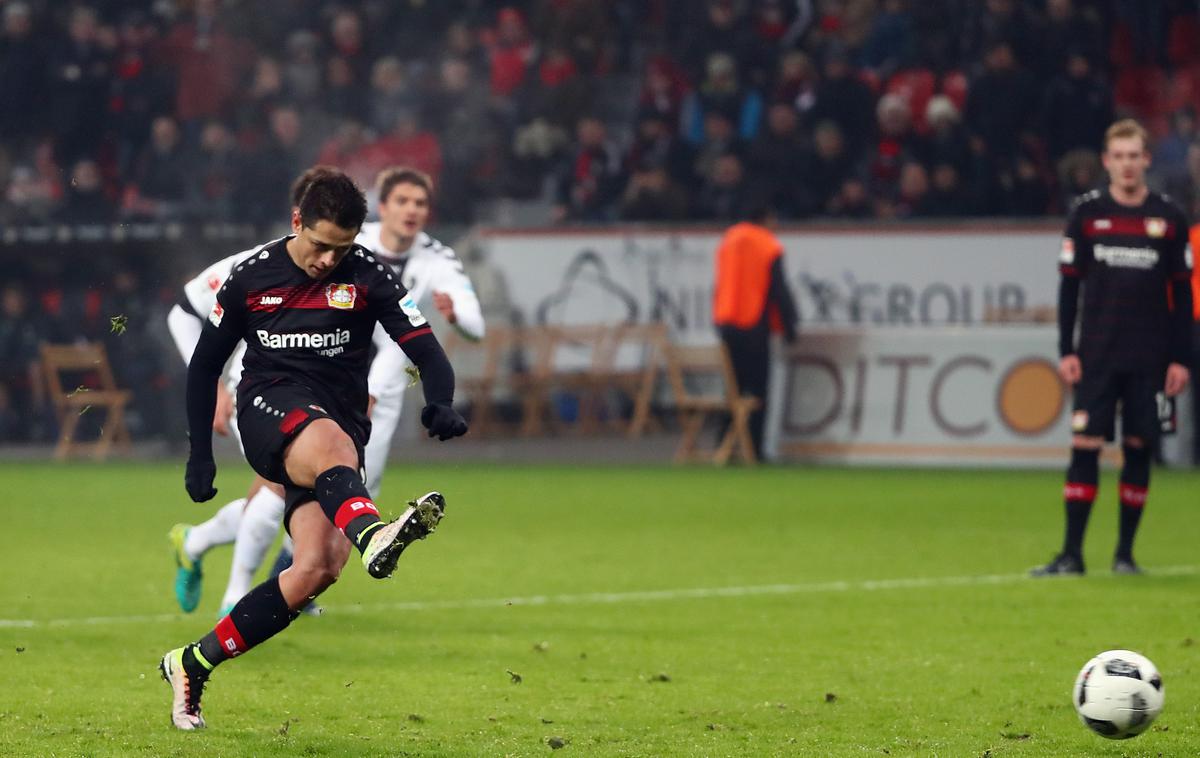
x=340 y=296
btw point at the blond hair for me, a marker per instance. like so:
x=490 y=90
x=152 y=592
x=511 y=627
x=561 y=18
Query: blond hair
x=1124 y=129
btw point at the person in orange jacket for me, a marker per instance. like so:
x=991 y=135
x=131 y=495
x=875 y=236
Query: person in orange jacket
x=751 y=301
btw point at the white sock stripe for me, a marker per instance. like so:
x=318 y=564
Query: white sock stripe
x=600 y=598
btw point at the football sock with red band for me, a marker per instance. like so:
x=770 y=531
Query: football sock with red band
x=1135 y=483
x=1079 y=493
x=256 y=618
x=344 y=499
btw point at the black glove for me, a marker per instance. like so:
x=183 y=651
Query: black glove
x=199 y=480
x=442 y=421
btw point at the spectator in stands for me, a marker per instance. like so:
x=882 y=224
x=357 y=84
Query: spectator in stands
x=1002 y=103
x=1069 y=31
x=212 y=174
x=720 y=139
x=86 y=202
x=458 y=106
x=1170 y=164
x=346 y=149
x=27 y=199
x=912 y=194
x=79 y=70
x=22 y=72
x=265 y=94
x=894 y=145
x=844 y=99
x=511 y=51
x=349 y=47
x=1023 y=190
x=557 y=91
x=852 y=200
x=655 y=144
x=343 y=95
x=720 y=92
x=270 y=165
x=140 y=90
x=947 y=140
x=590 y=179
x=995 y=21
x=779 y=158
x=463 y=43
x=391 y=95
x=408 y=143
x=652 y=195
x=947 y=198
x=664 y=88
x=208 y=63
x=889 y=47
x=160 y=175
x=723 y=31
x=795 y=82
x=303 y=74
x=831 y=165
x=1079 y=171
x=1078 y=108
x=726 y=191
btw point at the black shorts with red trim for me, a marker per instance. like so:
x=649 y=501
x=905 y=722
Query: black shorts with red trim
x=1098 y=394
x=269 y=418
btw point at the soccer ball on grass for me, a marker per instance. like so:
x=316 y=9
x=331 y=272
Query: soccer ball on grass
x=1118 y=694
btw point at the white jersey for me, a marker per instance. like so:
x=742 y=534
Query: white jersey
x=427 y=267
x=201 y=294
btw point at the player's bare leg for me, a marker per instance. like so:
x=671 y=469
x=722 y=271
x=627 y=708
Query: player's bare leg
x=324 y=457
x=1079 y=493
x=1135 y=483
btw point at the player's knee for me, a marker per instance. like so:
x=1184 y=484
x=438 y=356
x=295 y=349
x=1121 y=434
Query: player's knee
x=1136 y=468
x=314 y=577
x=1129 y=442
x=1086 y=442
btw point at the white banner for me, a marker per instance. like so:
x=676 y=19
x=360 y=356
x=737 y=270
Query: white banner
x=893 y=277
x=986 y=396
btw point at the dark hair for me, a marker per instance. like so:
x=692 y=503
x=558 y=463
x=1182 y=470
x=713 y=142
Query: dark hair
x=306 y=179
x=390 y=177
x=333 y=197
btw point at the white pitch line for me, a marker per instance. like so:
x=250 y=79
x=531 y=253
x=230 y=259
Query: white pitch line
x=602 y=598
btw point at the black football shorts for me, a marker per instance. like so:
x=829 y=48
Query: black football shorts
x=1138 y=393
x=269 y=418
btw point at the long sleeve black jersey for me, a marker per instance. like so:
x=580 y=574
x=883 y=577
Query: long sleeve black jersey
x=1132 y=262
x=311 y=332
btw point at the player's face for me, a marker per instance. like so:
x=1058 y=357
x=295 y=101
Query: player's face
x=319 y=248
x=405 y=210
x=1126 y=160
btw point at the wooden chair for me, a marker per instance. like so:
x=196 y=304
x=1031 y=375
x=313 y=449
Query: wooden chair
x=532 y=384
x=627 y=361
x=576 y=354
x=478 y=366
x=689 y=366
x=90 y=387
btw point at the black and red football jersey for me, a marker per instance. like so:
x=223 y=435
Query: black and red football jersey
x=1126 y=258
x=313 y=332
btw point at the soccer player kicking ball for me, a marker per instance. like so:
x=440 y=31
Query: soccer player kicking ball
x=306 y=306
x=1128 y=247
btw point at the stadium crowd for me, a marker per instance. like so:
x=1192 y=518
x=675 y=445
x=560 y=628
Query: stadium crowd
x=654 y=110
x=587 y=110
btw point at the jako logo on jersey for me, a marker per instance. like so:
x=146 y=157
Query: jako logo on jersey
x=217 y=314
x=1126 y=257
x=271 y=300
x=293 y=339
x=410 y=309
x=340 y=296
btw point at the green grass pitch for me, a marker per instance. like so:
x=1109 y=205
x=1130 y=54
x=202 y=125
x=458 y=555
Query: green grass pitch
x=646 y=611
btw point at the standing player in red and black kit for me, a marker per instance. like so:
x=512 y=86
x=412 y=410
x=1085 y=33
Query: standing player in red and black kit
x=1128 y=247
x=306 y=305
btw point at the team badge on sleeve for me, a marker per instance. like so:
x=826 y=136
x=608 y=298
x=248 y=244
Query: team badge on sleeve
x=1066 y=256
x=410 y=309
x=216 y=314
x=340 y=296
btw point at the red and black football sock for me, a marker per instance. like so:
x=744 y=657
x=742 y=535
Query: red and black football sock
x=1135 y=483
x=346 y=502
x=1079 y=492
x=256 y=618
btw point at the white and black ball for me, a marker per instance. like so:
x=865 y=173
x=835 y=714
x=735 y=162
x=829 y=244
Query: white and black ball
x=1118 y=694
